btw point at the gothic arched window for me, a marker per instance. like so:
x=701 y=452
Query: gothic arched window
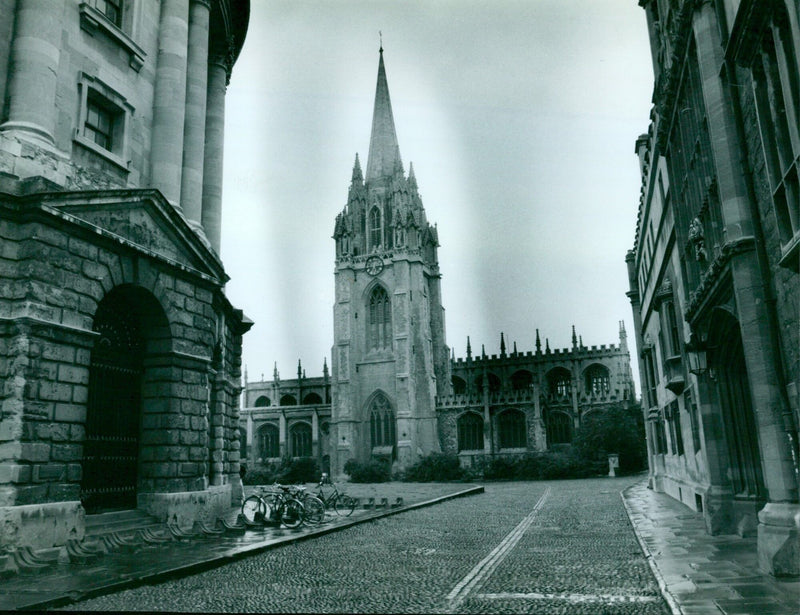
x=300 y=435
x=379 y=320
x=559 y=382
x=381 y=422
x=513 y=430
x=470 y=432
x=268 y=444
x=559 y=428
x=262 y=402
x=597 y=380
x=312 y=398
x=375 y=230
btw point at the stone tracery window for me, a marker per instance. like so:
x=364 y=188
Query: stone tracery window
x=375 y=228
x=598 y=382
x=512 y=429
x=383 y=431
x=559 y=428
x=559 y=382
x=379 y=321
x=470 y=432
x=300 y=436
x=268 y=442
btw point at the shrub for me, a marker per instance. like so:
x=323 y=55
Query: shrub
x=615 y=430
x=376 y=470
x=300 y=470
x=287 y=470
x=435 y=467
x=500 y=468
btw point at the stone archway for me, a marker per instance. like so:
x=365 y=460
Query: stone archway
x=128 y=322
x=726 y=358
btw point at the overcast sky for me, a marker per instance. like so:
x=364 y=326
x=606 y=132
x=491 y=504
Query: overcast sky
x=520 y=118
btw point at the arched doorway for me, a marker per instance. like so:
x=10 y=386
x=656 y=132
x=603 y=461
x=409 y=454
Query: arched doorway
x=126 y=320
x=726 y=357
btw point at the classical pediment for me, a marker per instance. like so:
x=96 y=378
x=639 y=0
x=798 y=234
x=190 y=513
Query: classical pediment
x=142 y=219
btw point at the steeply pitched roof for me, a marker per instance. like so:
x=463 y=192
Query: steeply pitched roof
x=384 y=153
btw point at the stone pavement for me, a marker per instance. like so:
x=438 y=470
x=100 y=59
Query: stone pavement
x=701 y=574
x=69 y=582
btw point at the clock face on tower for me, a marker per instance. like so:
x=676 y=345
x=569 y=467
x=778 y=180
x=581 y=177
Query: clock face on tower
x=374 y=265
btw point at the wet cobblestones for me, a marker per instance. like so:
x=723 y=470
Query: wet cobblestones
x=579 y=555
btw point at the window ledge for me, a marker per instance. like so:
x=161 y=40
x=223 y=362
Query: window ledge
x=93 y=21
x=103 y=153
x=790 y=254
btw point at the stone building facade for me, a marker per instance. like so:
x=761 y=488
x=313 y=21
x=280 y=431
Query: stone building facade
x=394 y=390
x=714 y=279
x=119 y=352
x=532 y=401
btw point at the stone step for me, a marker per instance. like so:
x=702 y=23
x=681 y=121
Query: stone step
x=121 y=521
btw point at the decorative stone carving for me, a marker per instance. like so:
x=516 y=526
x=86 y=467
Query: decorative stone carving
x=698 y=239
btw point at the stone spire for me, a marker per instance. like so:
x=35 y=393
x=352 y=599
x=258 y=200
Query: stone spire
x=502 y=345
x=275 y=375
x=384 y=152
x=469 y=349
x=538 y=342
x=574 y=339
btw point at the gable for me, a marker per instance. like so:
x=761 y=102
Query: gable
x=144 y=220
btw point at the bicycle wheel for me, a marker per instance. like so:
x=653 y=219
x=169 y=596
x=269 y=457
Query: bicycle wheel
x=344 y=505
x=314 y=509
x=292 y=514
x=254 y=509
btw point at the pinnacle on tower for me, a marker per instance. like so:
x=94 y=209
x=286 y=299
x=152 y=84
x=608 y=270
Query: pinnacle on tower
x=502 y=345
x=574 y=338
x=275 y=375
x=515 y=348
x=325 y=367
x=384 y=152
x=412 y=179
x=358 y=177
x=299 y=370
x=538 y=342
x=547 y=344
x=469 y=349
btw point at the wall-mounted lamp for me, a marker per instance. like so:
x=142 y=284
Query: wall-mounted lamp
x=698 y=361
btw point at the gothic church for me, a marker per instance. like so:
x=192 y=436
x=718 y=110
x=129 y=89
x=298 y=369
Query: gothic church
x=391 y=392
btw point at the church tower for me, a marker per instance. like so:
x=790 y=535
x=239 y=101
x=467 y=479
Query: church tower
x=389 y=357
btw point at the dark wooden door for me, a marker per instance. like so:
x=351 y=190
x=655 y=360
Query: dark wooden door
x=111 y=447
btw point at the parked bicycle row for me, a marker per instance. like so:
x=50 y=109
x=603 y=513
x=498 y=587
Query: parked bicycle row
x=293 y=505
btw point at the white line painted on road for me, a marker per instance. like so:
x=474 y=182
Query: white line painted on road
x=574 y=598
x=487 y=565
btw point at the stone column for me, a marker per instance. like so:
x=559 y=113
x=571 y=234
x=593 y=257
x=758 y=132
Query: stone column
x=283 y=449
x=169 y=101
x=315 y=434
x=194 y=126
x=778 y=548
x=218 y=71
x=35 y=56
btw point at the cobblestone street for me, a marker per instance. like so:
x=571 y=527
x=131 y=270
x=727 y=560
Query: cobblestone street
x=558 y=547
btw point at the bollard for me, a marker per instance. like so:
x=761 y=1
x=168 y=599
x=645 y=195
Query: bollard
x=613 y=464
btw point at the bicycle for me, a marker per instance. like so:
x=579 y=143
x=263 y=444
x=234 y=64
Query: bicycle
x=277 y=505
x=339 y=502
x=313 y=507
